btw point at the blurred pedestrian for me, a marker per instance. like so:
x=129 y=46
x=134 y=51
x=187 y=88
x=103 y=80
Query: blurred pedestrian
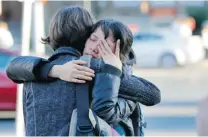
x=6 y=38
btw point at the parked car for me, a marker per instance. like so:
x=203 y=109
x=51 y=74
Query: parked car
x=165 y=49
x=8 y=89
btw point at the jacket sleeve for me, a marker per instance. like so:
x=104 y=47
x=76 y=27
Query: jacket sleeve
x=28 y=68
x=31 y=68
x=106 y=102
x=138 y=89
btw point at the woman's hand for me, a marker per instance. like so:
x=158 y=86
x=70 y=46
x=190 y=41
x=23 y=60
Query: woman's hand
x=72 y=71
x=108 y=56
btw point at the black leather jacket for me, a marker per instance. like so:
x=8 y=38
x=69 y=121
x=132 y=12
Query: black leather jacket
x=133 y=90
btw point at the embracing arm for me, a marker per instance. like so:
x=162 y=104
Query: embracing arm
x=140 y=90
x=28 y=68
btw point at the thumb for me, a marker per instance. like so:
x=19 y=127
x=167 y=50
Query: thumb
x=118 y=48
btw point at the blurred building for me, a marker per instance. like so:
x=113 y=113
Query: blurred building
x=12 y=15
x=147 y=14
x=140 y=15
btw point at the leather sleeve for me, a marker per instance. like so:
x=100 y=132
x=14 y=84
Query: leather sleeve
x=28 y=68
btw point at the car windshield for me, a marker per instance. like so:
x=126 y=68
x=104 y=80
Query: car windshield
x=147 y=37
x=4 y=60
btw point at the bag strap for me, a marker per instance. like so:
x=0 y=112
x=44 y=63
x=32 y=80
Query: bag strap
x=82 y=103
x=135 y=120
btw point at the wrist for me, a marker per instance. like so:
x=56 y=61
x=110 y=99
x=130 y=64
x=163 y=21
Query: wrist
x=118 y=66
x=54 y=71
x=108 y=68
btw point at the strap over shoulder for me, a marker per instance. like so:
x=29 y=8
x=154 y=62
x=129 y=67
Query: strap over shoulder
x=84 y=125
x=86 y=58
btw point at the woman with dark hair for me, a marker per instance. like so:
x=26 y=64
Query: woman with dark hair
x=107 y=36
x=69 y=29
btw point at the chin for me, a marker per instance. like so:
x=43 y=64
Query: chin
x=96 y=56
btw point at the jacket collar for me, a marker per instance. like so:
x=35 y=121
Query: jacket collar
x=65 y=51
x=131 y=59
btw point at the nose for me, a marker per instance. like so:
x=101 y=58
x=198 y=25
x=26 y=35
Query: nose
x=94 y=48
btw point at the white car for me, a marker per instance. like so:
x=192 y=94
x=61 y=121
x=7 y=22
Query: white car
x=166 y=49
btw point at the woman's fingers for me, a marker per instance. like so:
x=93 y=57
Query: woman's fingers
x=83 y=68
x=84 y=73
x=100 y=48
x=77 y=81
x=106 y=46
x=82 y=77
x=79 y=62
x=118 y=48
x=73 y=71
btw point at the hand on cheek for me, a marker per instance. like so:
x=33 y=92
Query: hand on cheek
x=108 y=56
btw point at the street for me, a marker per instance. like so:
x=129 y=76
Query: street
x=181 y=89
x=7 y=127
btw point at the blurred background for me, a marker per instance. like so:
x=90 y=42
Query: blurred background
x=170 y=42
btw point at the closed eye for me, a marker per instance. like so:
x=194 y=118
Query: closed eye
x=93 y=38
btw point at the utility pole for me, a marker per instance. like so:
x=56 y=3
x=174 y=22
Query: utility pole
x=26 y=27
x=39 y=30
x=87 y=5
x=0 y=7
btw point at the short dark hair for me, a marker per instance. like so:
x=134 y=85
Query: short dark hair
x=120 y=31
x=70 y=26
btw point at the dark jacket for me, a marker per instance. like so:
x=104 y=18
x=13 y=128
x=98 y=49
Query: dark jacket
x=48 y=105
x=29 y=68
